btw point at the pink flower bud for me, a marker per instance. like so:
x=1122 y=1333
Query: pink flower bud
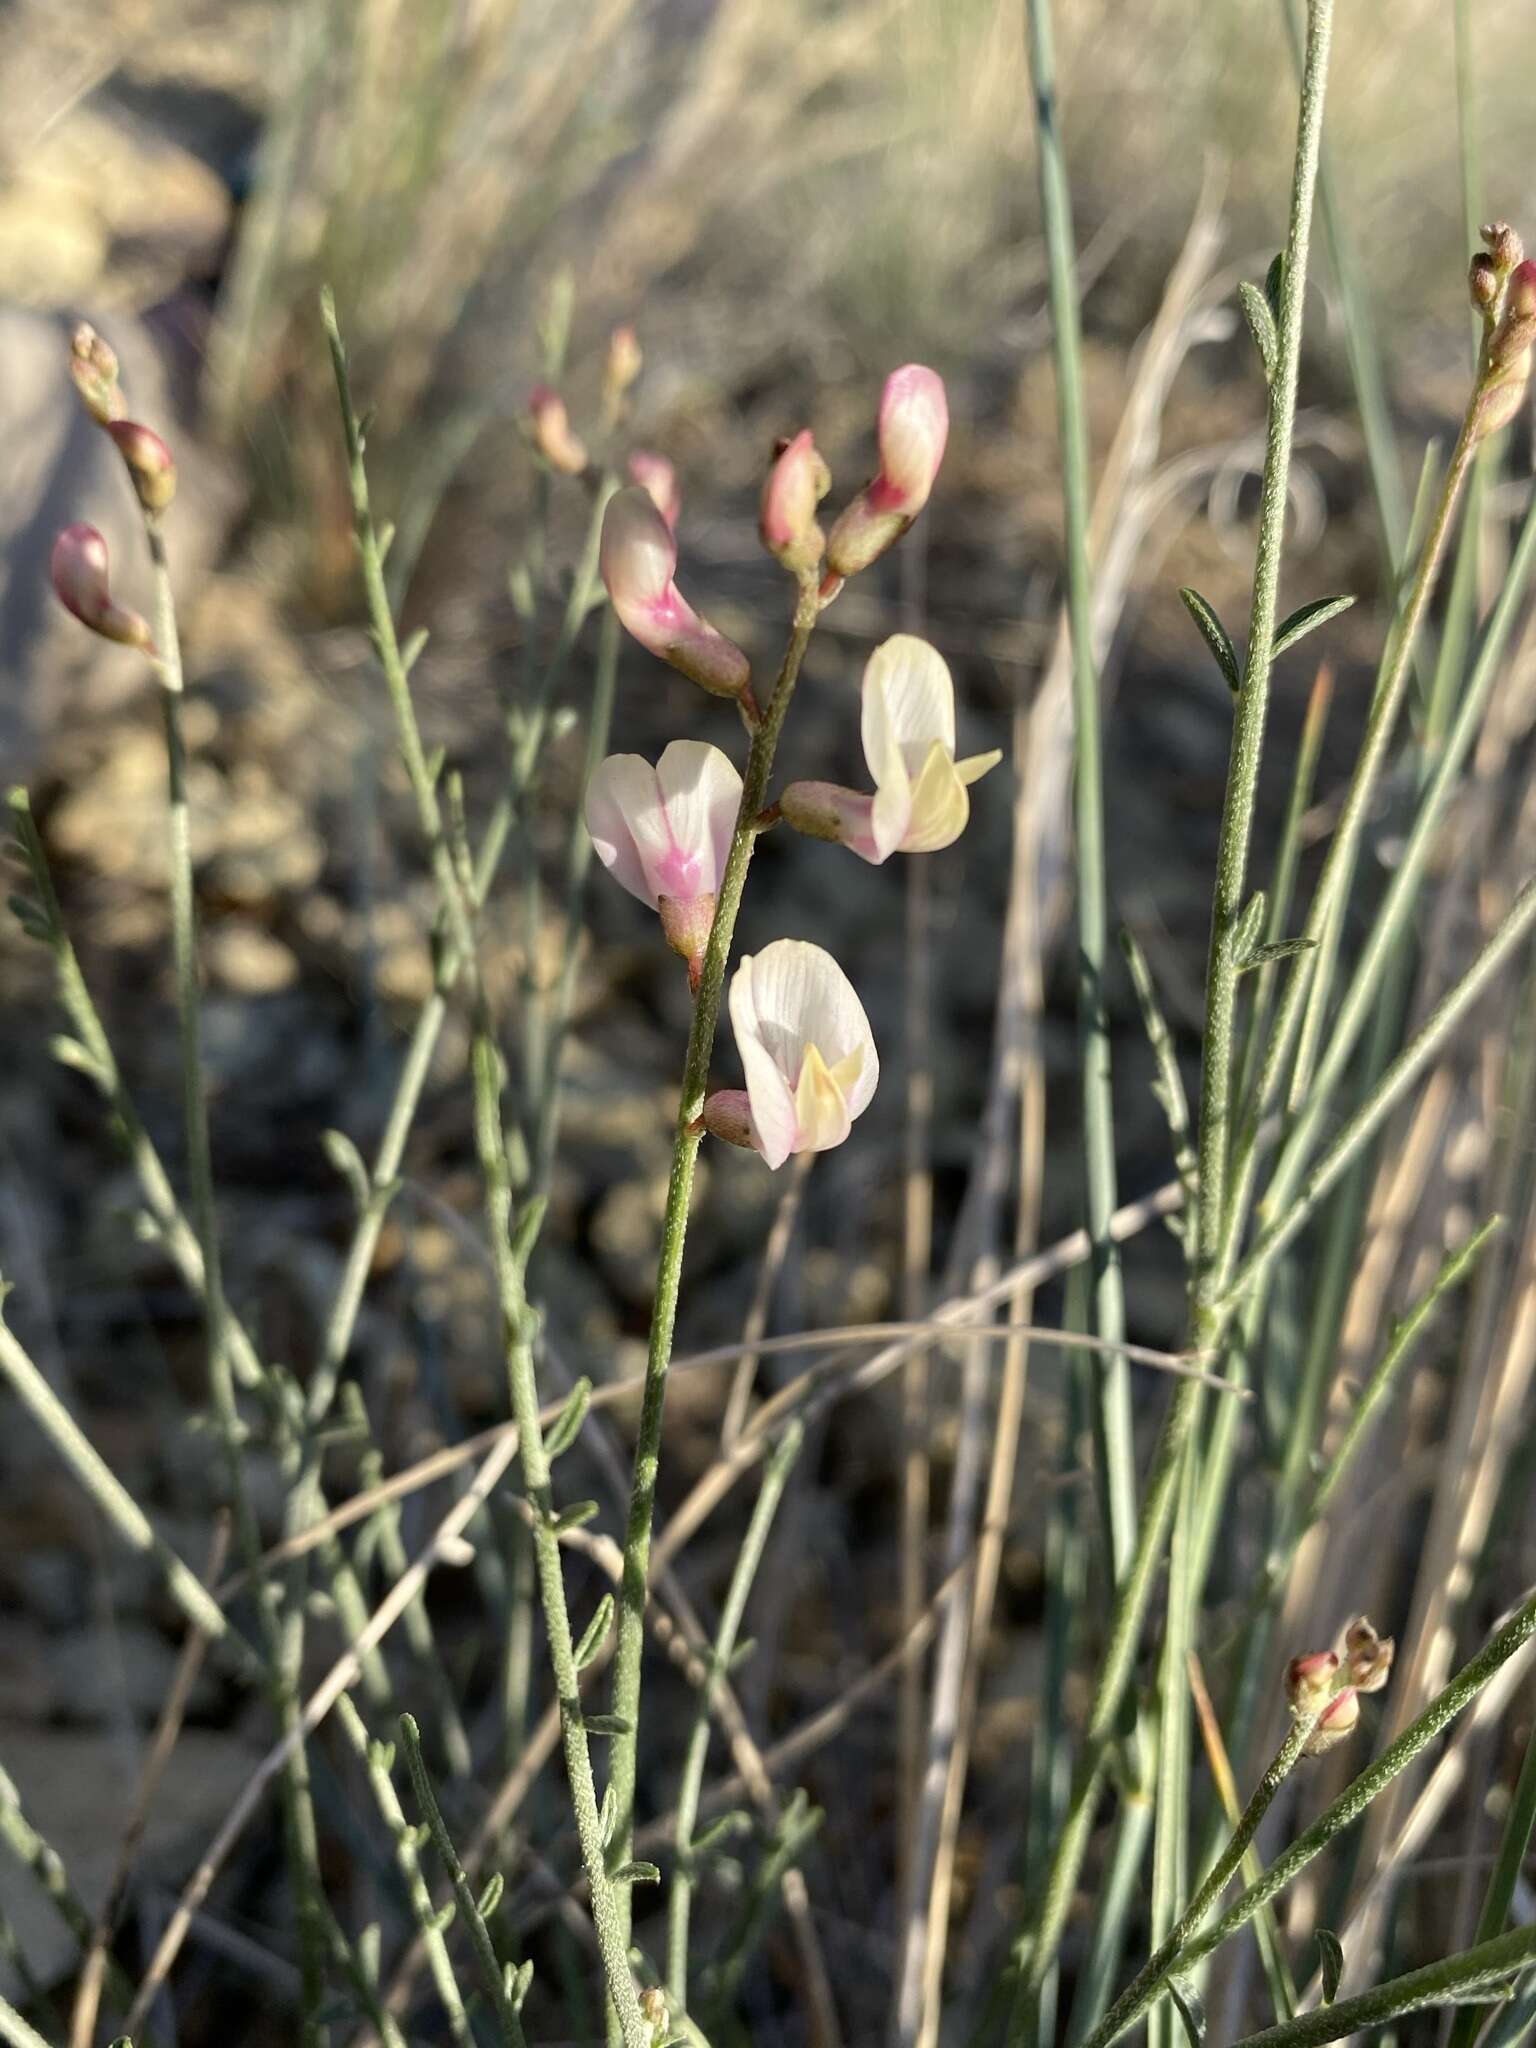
x=149 y=462
x=638 y=557
x=664 y=834
x=1339 y=1719
x=93 y=366
x=825 y=810
x=1504 y=245
x=911 y=432
x=1309 y=1681
x=79 y=574
x=728 y=1115
x=552 y=434
x=1507 y=354
x=794 y=487
x=622 y=368
x=656 y=476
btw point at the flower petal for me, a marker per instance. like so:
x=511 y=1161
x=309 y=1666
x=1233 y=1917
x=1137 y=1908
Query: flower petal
x=621 y=791
x=940 y=806
x=701 y=794
x=774 y=1125
x=820 y=1108
x=974 y=766
x=919 y=694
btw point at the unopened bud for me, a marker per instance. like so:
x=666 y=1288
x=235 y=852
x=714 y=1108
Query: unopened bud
x=560 y=447
x=1309 y=1681
x=1507 y=354
x=149 y=462
x=1367 y=1656
x=1483 y=283
x=1504 y=245
x=93 y=366
x=653 y=2008
x=658 y=479
x=912 y=429
x=825 y=810
x=1338 y=1719
x=685 y=924
x=622 y=368
x=794 y=487
x=79 y=574
x=728 y=1115
x=637 y=558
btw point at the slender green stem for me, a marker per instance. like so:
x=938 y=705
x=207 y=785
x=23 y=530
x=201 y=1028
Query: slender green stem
x=674 y=1229
x=1389 y=1091
x=1039 y=1944
x=1518 y=1827
x=1455 y=1980
x=748 y=1558
x=1153 y=1980
x=497 y=1989
x=1372 y=1781
x=14 y=2029
x=1113 y=1428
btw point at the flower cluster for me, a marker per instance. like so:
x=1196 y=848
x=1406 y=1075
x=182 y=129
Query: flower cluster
x=669 y=834
x=78 y=568
x=1328 y=1684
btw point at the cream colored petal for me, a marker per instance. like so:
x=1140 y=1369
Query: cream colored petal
x=621 y=794
x=820 y=1108
x=701 y=792
x=919 y=693
x=801 y=996
x=856 y=1074
x=774 y=1124
x=974 y=766
x=940 y=806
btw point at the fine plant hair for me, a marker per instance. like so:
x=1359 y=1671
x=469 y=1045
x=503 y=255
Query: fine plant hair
x=1365 y=1003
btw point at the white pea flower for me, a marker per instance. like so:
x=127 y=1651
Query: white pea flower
x=663 y=833
x=920 y=801
x=807 y=1050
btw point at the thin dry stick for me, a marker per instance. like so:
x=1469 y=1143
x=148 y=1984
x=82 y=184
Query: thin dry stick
x=445 y=1547
x=780 y=1234
x=82 y=2025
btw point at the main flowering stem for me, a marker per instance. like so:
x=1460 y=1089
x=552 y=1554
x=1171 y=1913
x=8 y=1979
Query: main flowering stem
x=674 y=1229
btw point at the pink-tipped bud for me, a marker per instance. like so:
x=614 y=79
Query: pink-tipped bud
x=794 y=487
x=656 y=476
x=638 y=557
x=1310 y=1681
x=912 y=430
x=79 y=573
x=1367 y=1656
x=622 y=368
x=1507 y=354
x=1483 y=283
x=1339 y=1719
x=685 y=925
x=728 y=1115
x=1504 y=245
x=149 y=462
x=93 y=366
x=552 y=434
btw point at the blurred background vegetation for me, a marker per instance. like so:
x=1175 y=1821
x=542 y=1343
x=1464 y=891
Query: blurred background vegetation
x=785 y=201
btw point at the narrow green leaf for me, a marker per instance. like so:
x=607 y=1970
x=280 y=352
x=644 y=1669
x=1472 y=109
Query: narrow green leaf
x=608 y=1814
x=1302 y=621
x=1330 y=1959
x=1275 y=949
x=348 y=1162
x=490 y=1898
x=724 y=1828
x=515 y=1981
x=526 y=1230
x=595 y=1632
x=1215 y=636
x=566 y=1427
x=1274 y=284
x=410 y=653
x=1245 y=933
x=637 y=1873
x=574 y=1517
x=605 y=1724
x=1261 y=325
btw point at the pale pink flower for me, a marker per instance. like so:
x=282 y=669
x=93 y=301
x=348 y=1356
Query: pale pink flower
x=663 y=833
x=658 y=479
x=912 y=429
x=807 y=1050
x=794 y=486
x=920 y=802
x=638 y=559
x=78 y=571
x=553 y=435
